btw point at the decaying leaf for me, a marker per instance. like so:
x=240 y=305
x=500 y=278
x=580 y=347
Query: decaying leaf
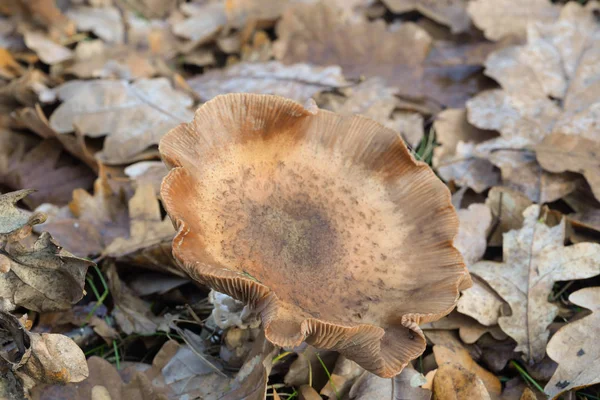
x=342 y=378
x=134 y=116
x=42 y=278
x=521 y=172
x=297 y=82
x=501 y=18
x=49 y=51
x=507 y=207
x=461 y=357
x=318 y=34
x=26 y=161
x=471 y=239
x=534 y=258
x=452 y=13
x=452 y=381
x=204 y=21
x=406 y=385
x=548 y=84
x=574 y=347
x=455 y=158
x=36 y=358
x=469 y=329
x=481 y=303
x=559 y=153
x=105 y=22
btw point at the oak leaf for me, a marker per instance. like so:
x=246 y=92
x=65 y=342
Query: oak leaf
x=451 y=379
x=42 y=278
x=471 y=240
x=559 y=153
x=406 y=385
x=298 y=82
x=507 y=208
x=47 y=50
x=501 y=18
x=574 y=347
x=534 y=258
x=133 y=116
x=548 y=84
x=105 y=22
x=452 y=13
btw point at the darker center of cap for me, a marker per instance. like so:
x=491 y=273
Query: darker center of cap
x=292 y=234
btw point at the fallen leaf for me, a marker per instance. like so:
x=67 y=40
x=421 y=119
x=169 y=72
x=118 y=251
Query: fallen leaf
x=534 y=258
x=298 y=82
x=452 y=382
x=452 y=13
x=573 y=347
x=560 y=153
x=507 y=207
x=547 y=84
x=318 y=34
x=307 y=364
x=47 y=50
x=502 y=18
x=9 y=67
x=26 y=161
x=521 y=172
x=42 y=278
x=204 y=21
x=471 y=240
x=342 y=378
x=133 y=315
x=406 y=385
x=481 y=303
x=134 y=116
x=105 y=22
x=147 y=172
x=455 y=158
x=469 y=329
x=228 y=312
x=461 y=357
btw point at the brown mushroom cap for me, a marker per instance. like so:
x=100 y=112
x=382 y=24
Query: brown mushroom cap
x=324 y=223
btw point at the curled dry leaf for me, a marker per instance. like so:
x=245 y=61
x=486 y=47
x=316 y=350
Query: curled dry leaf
x=342 y=378
x=460 y=356
x=313 y=205
x=298 y=82
x=501 y=18
x=455 y=158
x=469 y=329
x=559 y=153
x=42 y=278
x=133 y=116
x=105 y=22
x=548 y=84
x=481 y=303
x=534 y=258
x=406 y=385
x=452 y=13
x=452 y=381
x=204 y=21
x=26 y=161
x=574 y=347
x=38 y=358
x=229 y=312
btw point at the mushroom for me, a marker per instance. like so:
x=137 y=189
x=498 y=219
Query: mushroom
x=323 y=224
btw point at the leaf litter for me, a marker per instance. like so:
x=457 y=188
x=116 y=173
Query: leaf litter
x=499 y=97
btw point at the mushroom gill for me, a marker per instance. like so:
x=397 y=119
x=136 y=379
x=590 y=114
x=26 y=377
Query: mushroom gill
x=324 y=224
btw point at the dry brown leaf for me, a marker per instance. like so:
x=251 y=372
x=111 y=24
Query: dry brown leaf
x=461 y=357
x=534 y=258
x=134 y=116
x=469 y=329
x=548 y=85
x=37 y=358
x=42 y=278
x=574 y=347
x=452 y=13
x=147 y=172
x=307 y=363
x=105 y=22
x=91 y=222
x=453 y=382
x=454 y=159
x=318 y=34
x=507 y=209
x=471 y=239
x=298 y=82
x=481 y=303
x=204 y=21
x=47 y=50
x=560 y=153
x=521 y=172
x=342 y=378
x=26 y=161
x=404 y=386
x=152 y=8
x=9 y=67
x=502 y=18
